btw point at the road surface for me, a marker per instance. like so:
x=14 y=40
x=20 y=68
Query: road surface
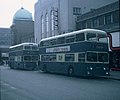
x=34 y=85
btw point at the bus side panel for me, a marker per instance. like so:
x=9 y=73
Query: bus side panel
x=80 y=47
x=80 y=69
x=30 y=65
x=56 y=67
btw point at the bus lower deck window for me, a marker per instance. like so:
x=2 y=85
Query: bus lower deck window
x=91 y=56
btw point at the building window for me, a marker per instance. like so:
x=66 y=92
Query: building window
x=108 y=19
x=76 y=11
x=52 y=23
x=88 y=23
x=83 y=24
x=47 y=24
x=116 y=17
x=79 y=25
x=95 y=23
x=101 y=20
x=42 y=26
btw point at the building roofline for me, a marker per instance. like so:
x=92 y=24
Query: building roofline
x=99 y=11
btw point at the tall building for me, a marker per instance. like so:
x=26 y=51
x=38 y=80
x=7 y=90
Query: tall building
x=5 y=37
x=54 y=17
x=5 y=43
x=22 y=28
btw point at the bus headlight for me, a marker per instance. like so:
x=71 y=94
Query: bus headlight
x=104 y=68
x=91 y=68
x=24 y=64
x=107 y=73
x=88 y=72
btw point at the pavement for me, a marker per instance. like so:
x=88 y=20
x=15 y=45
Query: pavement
x=114 y=75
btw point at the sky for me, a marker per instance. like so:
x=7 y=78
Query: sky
x=9 y=7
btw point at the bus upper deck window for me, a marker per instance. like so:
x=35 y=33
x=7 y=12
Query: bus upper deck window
x=102 y=38
x=19 y=48
x=91 y=37
x=80 y=37
x=46 y=43
x=27 y=48
x=34 y=47
x=70 y=39
x=61 y=40
x=41 y=44
x=53 y=42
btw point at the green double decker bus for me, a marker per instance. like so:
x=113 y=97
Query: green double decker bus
x=24 y=56
x=83 y=52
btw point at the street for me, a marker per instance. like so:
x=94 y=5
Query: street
x=35 y=85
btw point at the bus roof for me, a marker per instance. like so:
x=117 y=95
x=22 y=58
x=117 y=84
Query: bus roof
x=75 y=32
x=22 y=44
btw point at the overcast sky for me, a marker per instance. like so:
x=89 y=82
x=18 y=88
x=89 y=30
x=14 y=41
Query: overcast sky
x=9 y=7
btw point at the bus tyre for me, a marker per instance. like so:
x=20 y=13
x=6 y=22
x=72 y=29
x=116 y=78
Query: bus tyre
x=71 y=71
x=11 y=67
x=44 y=69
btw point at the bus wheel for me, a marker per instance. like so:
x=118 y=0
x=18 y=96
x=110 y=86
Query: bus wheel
x=32 y=68
x=11 y=67
x=44 y=69
x=71 y=71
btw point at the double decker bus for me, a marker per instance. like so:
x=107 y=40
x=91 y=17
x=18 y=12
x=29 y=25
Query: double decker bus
x=24 y=56
x=114 y=59
x=83 y=53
